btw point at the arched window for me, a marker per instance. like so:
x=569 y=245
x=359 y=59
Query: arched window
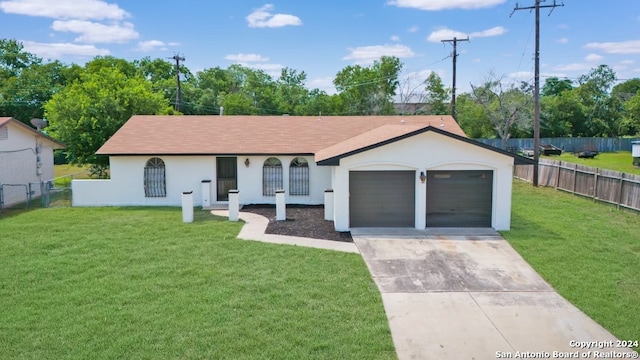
x=271 y=176
x=154 y=178
x=299 y=177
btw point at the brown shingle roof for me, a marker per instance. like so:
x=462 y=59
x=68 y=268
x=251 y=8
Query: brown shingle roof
x=369 y=138
x=4 y=120
x=151 y=134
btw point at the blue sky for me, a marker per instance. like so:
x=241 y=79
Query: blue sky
x=323 y=37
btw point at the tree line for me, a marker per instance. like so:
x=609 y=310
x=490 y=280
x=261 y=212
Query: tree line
x=86 y=104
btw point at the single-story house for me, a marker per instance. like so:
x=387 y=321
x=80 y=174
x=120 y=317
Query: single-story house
x=26 y=157
x=383 y=171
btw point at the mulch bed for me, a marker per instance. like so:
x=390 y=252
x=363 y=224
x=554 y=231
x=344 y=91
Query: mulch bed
x=302 y=220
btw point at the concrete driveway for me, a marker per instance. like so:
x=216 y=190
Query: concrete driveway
x=468 y=295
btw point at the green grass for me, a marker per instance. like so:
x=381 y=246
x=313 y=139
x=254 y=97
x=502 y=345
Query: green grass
x=618 y=161
x=131 y=283
x=589 y=252
x=63 y=174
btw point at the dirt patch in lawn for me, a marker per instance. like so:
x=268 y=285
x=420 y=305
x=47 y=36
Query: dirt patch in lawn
x=302 y=220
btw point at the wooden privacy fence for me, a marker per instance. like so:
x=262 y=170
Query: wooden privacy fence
x=609 y=186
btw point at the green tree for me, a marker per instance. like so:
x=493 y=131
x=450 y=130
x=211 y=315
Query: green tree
x=473 y=118
x=369 y=90
x=13 y=58
x=602 y=110
x=320 y=103
x=508 y=108
x=25 y=84
x=210 y=87
x=554 y=86
x=626 y=90
x=632 y=114
x=86 y=113
x=437 y=96
x=291 y=94
x=562 y=115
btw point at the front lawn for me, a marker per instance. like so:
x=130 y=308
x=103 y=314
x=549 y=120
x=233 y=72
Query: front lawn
x=589 y=252
x=131 y=283
x=618 y=161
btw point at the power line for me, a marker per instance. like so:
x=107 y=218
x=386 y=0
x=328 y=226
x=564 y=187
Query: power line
x=536 y=87
x=454 y=41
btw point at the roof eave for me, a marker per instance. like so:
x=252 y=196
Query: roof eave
x=56 y=143
x=518 y=160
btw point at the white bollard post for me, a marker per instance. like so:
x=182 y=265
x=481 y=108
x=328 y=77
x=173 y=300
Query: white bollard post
x=187 y=207
x=234 y=205
x=206 y=193
x=328 y=204
x=281 y=212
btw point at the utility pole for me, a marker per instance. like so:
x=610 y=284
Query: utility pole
x=453 y=86
x=177 y=59
x=536 y=86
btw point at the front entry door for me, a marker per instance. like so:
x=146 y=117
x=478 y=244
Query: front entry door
x=227 y=176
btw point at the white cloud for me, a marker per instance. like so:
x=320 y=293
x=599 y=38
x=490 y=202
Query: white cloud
x=92 y=32
x=65 y=9
x=270 y=68
x=263 y=17
x=522 y=75
x=413 y=29
x=395 y=38
x=445 y=34
x=246 y=58
x=173 y=43
x=563 y=40
x=573 y=67
x=593 y=57
x=59 y=50
x=256 y=61
x=620 y=47
x=325 y=84
x=273 y=70
x=417 y=78
x=435 y=5
x=152 y=45
x=367 y=54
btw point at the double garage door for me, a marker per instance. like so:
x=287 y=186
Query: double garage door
x=387 y=198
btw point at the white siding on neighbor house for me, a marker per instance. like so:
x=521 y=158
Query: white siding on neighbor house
x=424 y=152
x=185 y=173
x=18 y=163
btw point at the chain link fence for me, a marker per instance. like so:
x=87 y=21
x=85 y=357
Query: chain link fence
x=44 y=194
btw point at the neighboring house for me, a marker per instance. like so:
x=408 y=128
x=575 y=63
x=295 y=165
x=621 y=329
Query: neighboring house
x=26 y=157
x=384 y=171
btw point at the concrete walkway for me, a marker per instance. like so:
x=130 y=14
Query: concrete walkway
x=255 y=226
x=457 y=295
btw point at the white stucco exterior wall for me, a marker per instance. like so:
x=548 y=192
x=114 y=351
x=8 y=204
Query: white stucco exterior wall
x=185 y=173
x=18 y=159
x=424 y=152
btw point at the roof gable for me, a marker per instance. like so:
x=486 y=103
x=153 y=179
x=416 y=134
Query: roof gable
x=375 y=138
x=8 y=121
